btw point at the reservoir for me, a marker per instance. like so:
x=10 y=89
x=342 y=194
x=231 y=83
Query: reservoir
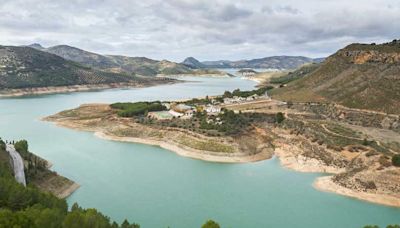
x=157 y=188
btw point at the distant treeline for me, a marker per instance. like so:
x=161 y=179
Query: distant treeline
x=129 y=109
x=239 y=93
x=228 y=94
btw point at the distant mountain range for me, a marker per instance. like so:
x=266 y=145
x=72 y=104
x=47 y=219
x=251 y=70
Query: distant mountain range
x=365 y=76
x=114 y=63
x=25 y=67
x=149 y=67
x=273 y=62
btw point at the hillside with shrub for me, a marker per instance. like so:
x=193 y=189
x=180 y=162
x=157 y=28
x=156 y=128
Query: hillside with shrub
x=117 y=63
x=363 y=76
x=294 y=75
x=25 y=67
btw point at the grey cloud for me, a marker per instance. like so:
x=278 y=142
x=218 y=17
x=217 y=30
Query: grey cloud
x=230 y=12
x=174 y=29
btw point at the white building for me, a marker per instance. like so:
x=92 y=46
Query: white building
x=212 y=109
x=175 y=114
x=167 y=105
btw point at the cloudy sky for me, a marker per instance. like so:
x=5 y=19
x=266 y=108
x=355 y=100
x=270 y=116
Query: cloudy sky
x=207 y=30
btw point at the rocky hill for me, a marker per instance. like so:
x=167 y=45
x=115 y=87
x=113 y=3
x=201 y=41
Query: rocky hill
x=36 y=46
x=117 y=64
x=148 y=67
x=25 y=67
x=193 y=63
x=82 y=57
x=273 y=62
x=364 y=76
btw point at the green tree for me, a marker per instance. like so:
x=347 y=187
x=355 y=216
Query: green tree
x=366 y=142
x=396 y=160
x=227 y=94
x=210 y=224
x=279 y=118
x=125 y=224
x=22 y=147
x=22 y=207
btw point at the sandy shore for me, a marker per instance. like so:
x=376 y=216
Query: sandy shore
x=300 y=163
x=287 y=159
x=182 y=76
x=68 y=191
x=291 y=156
x=190 y=152
x=67 y=89
x=60 y=190
x=326 y=184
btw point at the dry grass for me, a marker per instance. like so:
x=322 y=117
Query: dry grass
x=206 y=145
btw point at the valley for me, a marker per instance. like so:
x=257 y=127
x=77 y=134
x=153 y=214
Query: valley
x=211 y=114
x=355 y=148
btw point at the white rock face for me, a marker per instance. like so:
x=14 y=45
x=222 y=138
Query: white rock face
x=18 y=164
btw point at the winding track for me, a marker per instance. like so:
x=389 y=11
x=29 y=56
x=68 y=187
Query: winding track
x=18 y=164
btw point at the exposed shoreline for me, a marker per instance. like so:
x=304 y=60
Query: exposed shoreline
x=176 y=76
x=289 y=154
x=62 y=188
x=287 y=161
x=68 y=191
x=327 y=185
x=174 y=147
x=189 y=152
x=73 y=88
x=303 y=164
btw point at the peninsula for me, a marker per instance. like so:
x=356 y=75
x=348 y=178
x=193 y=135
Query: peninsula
x=319 y=120
x=248 y=126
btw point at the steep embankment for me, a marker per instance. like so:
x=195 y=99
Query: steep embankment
x=358 y=76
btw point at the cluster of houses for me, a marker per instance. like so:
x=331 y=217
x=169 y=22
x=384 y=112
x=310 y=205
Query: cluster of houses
x=183 y=111
x=238 y=100
x=247 y=72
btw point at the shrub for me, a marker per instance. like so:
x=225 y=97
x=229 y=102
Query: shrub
x=139 y=108
x=21 y=146
x=366 y=142
x=210 y=224
x=396 y=160
x=279 y=117
x=393 y=226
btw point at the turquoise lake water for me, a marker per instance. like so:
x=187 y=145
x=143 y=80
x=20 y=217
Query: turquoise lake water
x=157 y=188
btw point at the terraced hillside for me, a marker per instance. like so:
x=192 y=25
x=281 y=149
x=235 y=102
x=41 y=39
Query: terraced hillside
x=25 y=67
x=364 y=76
x=82 y=57
x=148 y=67
x=118 y=64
